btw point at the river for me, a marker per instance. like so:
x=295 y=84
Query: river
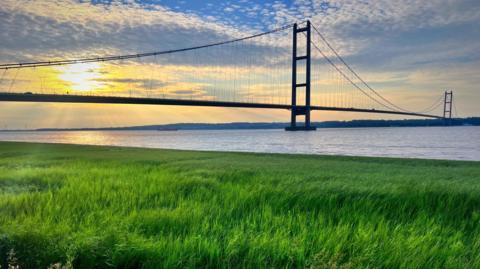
x=452 y=143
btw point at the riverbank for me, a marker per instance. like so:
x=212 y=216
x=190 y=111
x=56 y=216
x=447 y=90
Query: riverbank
x=103 y=207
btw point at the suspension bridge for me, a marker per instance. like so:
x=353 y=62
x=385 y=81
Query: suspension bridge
x=293 y=68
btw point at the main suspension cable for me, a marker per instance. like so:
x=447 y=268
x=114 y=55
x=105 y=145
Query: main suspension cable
x=355 y=73
x=433 y=106
x=358 y=76
x=131 y=56
x=347 y=78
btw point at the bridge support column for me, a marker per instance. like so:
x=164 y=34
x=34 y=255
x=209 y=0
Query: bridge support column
x=447 y=107
x=301 y=110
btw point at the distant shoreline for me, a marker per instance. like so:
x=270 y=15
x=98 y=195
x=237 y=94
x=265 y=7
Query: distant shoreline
x=472 y=121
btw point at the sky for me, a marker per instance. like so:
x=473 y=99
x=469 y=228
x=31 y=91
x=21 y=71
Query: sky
x=410 y=51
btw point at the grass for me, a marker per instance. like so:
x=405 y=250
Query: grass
x=105 y=207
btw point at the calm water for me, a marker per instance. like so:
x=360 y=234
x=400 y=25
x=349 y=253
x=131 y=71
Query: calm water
x=455 y=143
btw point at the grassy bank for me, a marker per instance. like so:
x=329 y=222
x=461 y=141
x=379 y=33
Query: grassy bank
x=104 y=207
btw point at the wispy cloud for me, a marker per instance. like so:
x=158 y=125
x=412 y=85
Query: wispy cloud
x=397 y=46
x=33 y=29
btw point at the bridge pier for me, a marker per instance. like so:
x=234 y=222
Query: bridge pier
x=300 y=111
x=303 y=110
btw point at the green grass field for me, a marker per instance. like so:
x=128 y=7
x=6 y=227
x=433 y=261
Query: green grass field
x=104 y=207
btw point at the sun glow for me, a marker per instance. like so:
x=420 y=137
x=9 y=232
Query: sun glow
x=82 y=77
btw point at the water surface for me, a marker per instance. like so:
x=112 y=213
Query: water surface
x=453 y=143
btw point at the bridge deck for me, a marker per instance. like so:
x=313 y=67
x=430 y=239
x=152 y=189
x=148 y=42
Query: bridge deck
x=56 y=98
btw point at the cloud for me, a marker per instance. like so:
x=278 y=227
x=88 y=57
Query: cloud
x=59 y=26
x=354 y=26
x=40 y=29
x=410 y=48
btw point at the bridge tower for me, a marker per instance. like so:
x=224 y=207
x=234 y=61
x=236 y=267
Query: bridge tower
x=447 y=107
x=301 y=110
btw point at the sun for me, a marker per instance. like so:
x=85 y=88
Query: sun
x=82 y=77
